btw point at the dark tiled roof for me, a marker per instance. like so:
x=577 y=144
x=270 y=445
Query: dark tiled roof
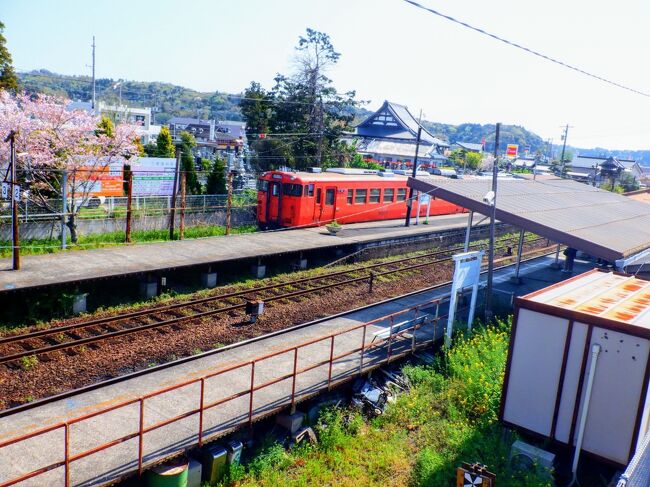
x=188 y=121
x=402 y=125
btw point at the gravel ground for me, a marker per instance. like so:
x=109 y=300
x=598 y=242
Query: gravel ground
x=73 y=368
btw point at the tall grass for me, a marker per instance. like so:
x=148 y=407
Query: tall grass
x=449 y=416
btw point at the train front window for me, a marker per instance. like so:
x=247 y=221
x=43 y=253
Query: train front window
x=360 y=196
x=389 y=194
x=262 y=185
x=309 y=190
x=289 y=189
x=401 y=194
x=374 y=195
x=275 y=189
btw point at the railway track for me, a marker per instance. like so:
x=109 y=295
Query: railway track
x=44 y=341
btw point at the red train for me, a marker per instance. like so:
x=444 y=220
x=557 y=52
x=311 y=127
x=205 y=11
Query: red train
x=297 y=199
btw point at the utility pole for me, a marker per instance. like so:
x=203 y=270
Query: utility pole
x=181 y=229
x=94 y=93
x=409 y=203
x=231 y=176
x=566 y=132
x=493 y=211
x=129 y=202
x=14 y=194
x=172 y=210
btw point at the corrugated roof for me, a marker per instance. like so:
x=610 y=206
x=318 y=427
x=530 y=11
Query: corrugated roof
x=617 y=297
x=603 y=224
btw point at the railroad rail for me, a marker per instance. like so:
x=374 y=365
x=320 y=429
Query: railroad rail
x=41 y=342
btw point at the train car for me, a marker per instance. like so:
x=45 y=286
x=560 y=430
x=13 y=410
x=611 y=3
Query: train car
x=302 y=199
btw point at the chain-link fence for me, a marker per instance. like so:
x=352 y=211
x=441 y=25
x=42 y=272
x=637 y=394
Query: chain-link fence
x=637 y=473
x=108 y=214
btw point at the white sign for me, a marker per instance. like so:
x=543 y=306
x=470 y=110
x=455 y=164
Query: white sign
x=5 y=190
x=152 y=176
x=466 y=274
x=16 y=192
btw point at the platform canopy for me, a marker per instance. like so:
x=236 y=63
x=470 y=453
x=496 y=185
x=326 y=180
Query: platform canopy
x=597 y=222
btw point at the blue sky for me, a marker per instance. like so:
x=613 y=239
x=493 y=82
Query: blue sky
x=390 y=50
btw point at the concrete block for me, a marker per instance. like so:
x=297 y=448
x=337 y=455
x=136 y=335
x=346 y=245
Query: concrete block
x=148 y=289
x=213 y=459
x=234 y=452
x=79 y=303
x=194 y=472
x=300 y=264
x=209 y=279
x=291 y=422
x=258 y=270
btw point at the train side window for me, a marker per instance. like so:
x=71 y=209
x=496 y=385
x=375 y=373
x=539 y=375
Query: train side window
x=318 y=194
x=360 y=196
x=309 y=190
x=401 y=194
x=389 y=195
x=262 y=185
x=374 y=195
x=329 y=196
x=350 y=196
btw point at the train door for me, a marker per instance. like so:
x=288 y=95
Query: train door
x=273 y=202
x=328 y=211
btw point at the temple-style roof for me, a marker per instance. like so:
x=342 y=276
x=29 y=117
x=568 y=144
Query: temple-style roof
x=394 y=121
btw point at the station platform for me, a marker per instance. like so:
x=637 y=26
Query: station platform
x=264 y=360
x=85 y=265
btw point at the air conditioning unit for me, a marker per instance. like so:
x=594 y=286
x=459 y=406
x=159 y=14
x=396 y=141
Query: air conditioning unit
x=528 y=457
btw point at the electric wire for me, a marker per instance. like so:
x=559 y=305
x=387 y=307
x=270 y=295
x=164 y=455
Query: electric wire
x=526 y=49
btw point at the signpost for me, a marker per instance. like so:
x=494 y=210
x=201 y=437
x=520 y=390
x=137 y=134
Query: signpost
x=512 y=150
x=466 y=274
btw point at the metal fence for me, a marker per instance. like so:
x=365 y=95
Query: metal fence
x=147 y=213
x=115 y=206
x=397 y=335
x=637 y=473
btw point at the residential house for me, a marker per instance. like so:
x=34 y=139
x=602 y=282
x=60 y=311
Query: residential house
x=389 y=137
x=211 y=137
x=588 y=168
x=124 y=113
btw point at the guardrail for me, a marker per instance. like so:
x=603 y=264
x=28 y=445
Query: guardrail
x=370 y=356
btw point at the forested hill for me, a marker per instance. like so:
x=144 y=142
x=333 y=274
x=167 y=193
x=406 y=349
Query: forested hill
x=170 y=100
x=474 y=132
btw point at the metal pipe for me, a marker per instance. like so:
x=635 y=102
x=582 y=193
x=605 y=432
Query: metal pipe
x=470 y=218
x=595 y=351
x=201 y=404
x=493 y=211
x=520 y=248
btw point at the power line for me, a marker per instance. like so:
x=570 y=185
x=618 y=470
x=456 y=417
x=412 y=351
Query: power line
x=528 y=50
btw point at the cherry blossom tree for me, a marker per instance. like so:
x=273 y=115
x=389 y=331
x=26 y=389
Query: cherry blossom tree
x=50 y=139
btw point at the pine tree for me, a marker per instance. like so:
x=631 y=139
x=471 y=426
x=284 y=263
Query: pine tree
x=8 y=78
x=188 y=142
x=217 y=178
x=164 y=144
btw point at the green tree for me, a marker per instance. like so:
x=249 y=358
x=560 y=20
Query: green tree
x=105 y=127
x=473 y=160
x=8 y=78
x=188 y=142
x=304 y=105
x=164 y=144
x=217 y=178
